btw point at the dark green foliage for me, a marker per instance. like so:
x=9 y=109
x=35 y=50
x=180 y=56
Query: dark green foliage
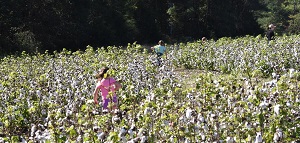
x=32 y=25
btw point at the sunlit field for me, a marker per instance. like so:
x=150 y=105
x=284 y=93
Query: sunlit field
x=230 y=90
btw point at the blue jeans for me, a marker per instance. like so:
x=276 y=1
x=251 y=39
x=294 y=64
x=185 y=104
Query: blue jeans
x=159 y=58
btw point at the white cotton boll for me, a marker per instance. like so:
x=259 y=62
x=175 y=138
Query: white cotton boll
x=274 y=75
x=211 y=119
x=213 y=115
x=255 y=124
x=181 y=118
x=143 y=139
x=101 y=135
x=44 y=112
x=251 y=96
x=216 y=134
x=41 y=127
x=215 y=82
x=22 y=140
x=263 y=104
x=130 y=132
x=189 y=96
x=69 y=112
x=288 y=104
x=277 y=109
x=132 y=127
x=188 y=113
x=38 y=92
x=38 y=134
x=95 y=112
x=90 y=101
x=229 y=140
x=187 y=141
x=278 y=135
x=116 y=111
x=223 y=125
x=248 y=125
x=232 y=104
x=258 y=138
x=147 y=110
x=47 y=135
x=200 y=118
x=162 y=133
x=33 y=129
x=62 y=128
x=291 y=72
x=205 y=128
x=105 y=111
x=79 y=139
x=123 y=131
x=202 y=136
x=235 y=109
x=264 y=90
x=196 y=129
x=140 y=133
x=148 y=98
x=115 y=119
x=198 y=123
x=271 y=102
x=131 y=141
x=123 y=139
x=297 y=100
x=171 y=139
x=186 y=130
x=30 y=138
x=216 y=127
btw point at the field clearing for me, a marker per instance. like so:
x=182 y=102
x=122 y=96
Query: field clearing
x=188 y=76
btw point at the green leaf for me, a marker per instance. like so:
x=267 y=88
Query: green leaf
x=83 y=107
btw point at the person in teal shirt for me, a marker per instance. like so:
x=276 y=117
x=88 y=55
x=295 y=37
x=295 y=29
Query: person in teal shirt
x=160 y=50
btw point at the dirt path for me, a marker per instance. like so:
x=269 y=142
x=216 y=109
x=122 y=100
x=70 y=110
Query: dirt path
x=189 y=76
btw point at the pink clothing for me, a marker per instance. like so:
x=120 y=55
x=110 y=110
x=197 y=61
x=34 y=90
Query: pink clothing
x=106 y=85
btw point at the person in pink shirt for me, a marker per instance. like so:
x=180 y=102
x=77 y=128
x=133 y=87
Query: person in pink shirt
x=106 y=85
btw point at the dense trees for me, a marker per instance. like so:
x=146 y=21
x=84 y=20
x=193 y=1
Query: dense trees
x=33 y=25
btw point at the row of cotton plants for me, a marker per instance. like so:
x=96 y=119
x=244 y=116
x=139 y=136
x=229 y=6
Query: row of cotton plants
x=48 y=98
x=245 y=54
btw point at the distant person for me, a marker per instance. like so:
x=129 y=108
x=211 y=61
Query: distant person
x=160 y=50
x=270 y=33
x=204 y=39
x=106 y=84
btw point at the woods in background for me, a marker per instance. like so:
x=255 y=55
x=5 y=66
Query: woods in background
x=32 y=25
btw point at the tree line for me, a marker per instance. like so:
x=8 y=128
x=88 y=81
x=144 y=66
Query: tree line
x=39 y=25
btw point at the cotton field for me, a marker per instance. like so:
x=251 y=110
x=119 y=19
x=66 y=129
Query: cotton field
x=246 y=90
